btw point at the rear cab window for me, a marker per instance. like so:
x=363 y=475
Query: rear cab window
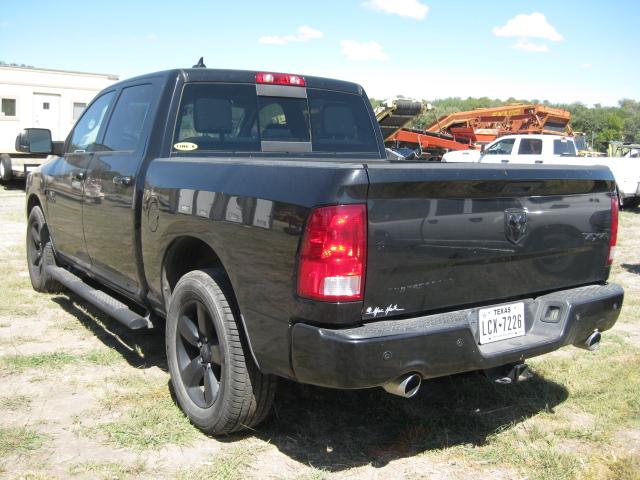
x=241 y=118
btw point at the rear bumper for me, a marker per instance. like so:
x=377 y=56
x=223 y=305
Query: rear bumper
x=444 y=344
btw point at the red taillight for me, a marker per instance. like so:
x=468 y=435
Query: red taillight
x=333 y=254
x=280 y=79
x=613 y=234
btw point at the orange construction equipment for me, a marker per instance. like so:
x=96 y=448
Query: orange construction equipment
x=467 y=130
x=486 y=124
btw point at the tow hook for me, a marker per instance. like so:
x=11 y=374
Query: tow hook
x=508 y=374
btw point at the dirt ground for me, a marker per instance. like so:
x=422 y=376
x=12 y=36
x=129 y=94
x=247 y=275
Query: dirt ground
x=82 y=397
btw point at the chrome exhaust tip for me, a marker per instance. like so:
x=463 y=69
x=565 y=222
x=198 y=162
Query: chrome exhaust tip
x=592 y=342
x=405 y=386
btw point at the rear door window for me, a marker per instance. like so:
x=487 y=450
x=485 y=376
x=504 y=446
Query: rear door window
x=124 y=131
x=564 y=147
x=530 y=146
x=450 y=206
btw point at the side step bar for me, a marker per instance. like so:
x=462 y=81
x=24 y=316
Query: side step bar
x=99 y=299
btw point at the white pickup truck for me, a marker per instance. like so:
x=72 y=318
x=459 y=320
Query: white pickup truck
x=554 y=150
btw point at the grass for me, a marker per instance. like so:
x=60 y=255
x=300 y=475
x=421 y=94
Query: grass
x=15 y=341
x=147 y=417
x=228 y=465
x=18 y=440
x=551 y=445
x=13 y=364
x=613 y=467
x=16 y=364
x=15 y=403
x=17 y=297
x=108 y=470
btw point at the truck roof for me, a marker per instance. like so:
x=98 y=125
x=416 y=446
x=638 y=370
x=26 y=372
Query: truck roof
x=533 y=135
x=245 y=76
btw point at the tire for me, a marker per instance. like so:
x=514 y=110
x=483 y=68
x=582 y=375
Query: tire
x=629 y=203
x=6 y=173
x=40 y=253
x=620 y=198
x=216 y=382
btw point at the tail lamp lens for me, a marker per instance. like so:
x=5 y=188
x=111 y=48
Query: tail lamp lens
x=613 y=234
x=333 y=254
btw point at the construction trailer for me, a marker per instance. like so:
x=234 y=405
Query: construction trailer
x=40 y=98
x=465 y=130
x=393 y=117
x=484 y=125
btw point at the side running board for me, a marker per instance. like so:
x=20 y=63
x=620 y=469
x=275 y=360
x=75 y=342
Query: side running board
x=99 y=299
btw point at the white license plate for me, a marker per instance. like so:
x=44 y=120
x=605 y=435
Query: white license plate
x=500 y=323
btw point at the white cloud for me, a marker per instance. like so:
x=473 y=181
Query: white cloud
x=404 y=8
x=303 y=34
x=362 y=50
x=152 y=37
x=586 y=66
x=4 y=24
x=528 y=26
x=529 y=46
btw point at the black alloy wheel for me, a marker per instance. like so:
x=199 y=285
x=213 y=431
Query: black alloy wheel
x=40 y=253
x=198 y=352
x=214 y=378
x=35 y=247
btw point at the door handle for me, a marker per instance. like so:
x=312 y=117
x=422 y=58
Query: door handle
x=475 y=219
x=79 y=175
x=122 y=180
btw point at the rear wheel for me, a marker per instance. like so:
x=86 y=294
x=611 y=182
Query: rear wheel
x=620 y=197
x=40 y=253
x=214 y=377
x=6 y=173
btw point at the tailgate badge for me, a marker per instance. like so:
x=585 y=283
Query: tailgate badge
x=515 y=224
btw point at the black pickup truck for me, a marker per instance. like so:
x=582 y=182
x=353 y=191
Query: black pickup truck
x=257 y=214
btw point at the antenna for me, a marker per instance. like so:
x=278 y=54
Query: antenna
x=200 y=63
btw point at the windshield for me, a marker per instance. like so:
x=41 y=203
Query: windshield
x=234 y=118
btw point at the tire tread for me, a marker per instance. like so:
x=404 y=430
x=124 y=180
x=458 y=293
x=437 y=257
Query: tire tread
x=250 y=393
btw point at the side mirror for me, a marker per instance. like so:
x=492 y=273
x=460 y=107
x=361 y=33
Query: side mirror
x=34 y=140
x=58 y=148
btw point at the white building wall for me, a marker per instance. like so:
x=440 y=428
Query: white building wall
x=32 y=88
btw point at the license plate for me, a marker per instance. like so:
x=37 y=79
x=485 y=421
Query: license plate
x=500 y=323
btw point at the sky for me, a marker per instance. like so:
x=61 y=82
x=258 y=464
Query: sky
x=561 y=51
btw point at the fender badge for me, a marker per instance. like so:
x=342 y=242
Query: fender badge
x=185 y=146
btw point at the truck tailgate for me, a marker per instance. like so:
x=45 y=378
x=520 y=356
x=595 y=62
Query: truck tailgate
x=443 y=235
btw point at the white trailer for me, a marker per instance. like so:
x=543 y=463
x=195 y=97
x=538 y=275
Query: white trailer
x=40 y=98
